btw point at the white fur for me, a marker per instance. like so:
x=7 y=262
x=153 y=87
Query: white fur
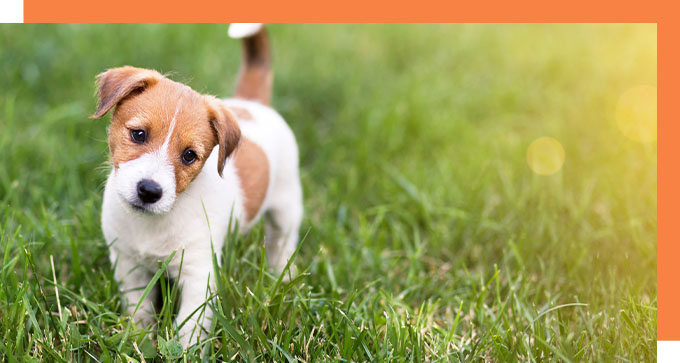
x=198 y=217
x=243 y=30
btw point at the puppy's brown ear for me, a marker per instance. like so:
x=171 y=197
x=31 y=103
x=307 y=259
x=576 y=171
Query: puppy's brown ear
x=117 y=83
x=226 y=129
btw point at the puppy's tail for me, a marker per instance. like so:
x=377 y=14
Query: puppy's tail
x=256 y=78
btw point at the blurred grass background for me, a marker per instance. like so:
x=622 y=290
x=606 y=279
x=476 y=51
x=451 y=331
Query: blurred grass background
x=428 y=237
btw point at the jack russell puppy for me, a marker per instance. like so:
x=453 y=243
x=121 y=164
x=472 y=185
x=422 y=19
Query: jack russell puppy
x=185 y=167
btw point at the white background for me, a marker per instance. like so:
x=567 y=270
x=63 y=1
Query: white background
x=667 y=351
x=11 y=11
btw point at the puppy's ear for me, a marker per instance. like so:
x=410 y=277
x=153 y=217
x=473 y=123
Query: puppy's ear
x=117 y=83
x=226 y=129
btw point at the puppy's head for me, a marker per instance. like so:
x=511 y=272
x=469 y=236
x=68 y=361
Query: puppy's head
x=161 y=135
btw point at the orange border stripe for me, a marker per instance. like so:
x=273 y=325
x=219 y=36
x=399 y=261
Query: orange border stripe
x=216 y=11
x=668 y=183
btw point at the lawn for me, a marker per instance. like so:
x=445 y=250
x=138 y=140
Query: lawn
x=427 y=236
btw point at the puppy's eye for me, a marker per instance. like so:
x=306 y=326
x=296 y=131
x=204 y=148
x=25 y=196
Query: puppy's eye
x=189 y=156
x=138 y=136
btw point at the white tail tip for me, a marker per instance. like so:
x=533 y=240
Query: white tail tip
x=244 y=30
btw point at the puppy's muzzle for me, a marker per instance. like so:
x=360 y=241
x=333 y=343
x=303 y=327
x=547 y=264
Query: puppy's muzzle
x=149 y=191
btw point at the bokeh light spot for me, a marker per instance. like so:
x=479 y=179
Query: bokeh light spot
x=636 y=113
x=545 y=156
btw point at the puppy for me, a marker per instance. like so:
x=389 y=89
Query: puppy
x=186 y=167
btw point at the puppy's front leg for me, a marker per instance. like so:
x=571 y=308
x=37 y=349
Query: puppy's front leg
x=133 y=280
x=194 y=311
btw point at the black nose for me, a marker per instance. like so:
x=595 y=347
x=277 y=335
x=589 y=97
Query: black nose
x=149 y=191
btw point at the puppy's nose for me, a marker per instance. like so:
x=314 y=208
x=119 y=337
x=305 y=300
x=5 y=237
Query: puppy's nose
x=149 y=191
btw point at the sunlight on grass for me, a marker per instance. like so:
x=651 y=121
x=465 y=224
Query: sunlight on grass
x=636 y=114
x=545 y=156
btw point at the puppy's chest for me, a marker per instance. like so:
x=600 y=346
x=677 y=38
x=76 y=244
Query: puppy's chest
x=151 y=242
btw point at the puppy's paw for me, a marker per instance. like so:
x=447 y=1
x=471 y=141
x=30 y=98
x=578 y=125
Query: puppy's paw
x=143 y=318
x=189 y=335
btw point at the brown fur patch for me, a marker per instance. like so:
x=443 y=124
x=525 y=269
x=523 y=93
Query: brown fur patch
x=254 y=83
x=241 y=113
x=200 y=123
x=255 y=79
x=252 y=167
x=116 y=84
x=226 y=129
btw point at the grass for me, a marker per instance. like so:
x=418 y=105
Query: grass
x=426 y=237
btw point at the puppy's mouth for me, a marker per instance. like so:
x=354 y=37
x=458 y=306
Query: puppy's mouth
x=139 y=208
x=150 y=209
